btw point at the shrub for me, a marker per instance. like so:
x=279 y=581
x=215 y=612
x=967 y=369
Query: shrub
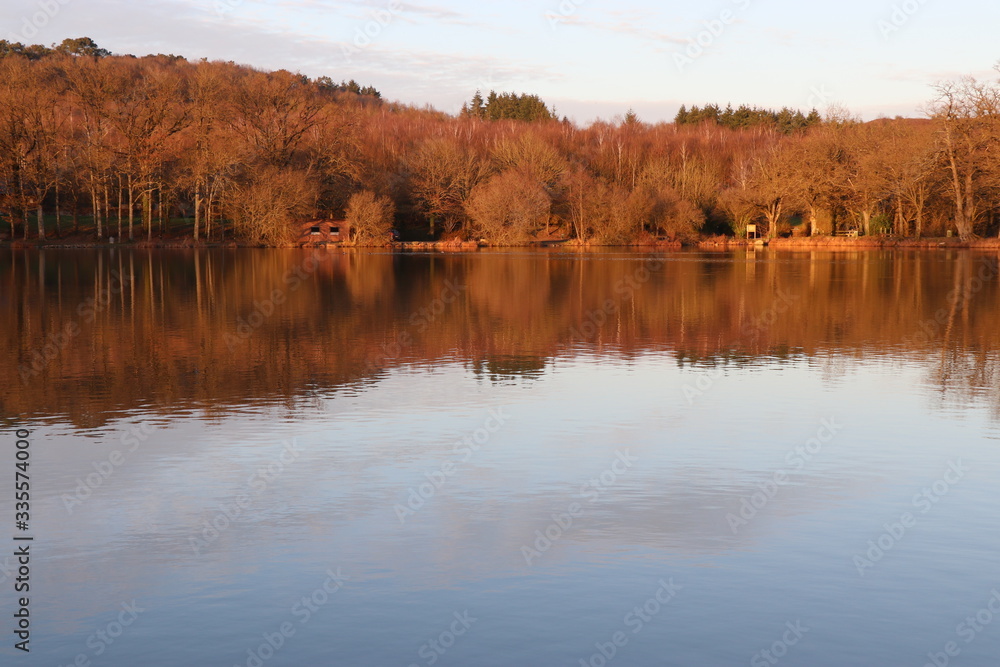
x=370 y=217
x=508 y=208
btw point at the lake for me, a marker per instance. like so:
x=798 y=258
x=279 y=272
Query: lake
x=269 y=457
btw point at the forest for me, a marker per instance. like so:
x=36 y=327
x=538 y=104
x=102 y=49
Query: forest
x=146 y=148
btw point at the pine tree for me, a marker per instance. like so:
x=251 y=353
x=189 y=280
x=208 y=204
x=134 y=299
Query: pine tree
x=477 y=109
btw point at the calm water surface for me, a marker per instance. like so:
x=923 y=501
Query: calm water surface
x=517 y=458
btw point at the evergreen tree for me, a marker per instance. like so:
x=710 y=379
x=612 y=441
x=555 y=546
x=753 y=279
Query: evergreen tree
x=785 y=121
x=478 y=109
x=82 y=46
x=509 y=106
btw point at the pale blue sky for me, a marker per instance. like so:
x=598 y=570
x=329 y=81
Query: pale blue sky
x=589 y=58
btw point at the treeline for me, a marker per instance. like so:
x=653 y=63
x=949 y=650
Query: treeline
x=352 y=86
x=159 y=145
x=785 y=121
x=80 y=46
x=508 y=106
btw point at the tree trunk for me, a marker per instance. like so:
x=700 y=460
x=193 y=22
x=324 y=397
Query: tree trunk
x=95 y=199
x=131 y=208
x=970 y=209
x=160 y=194
x=58 y=231
x=24 y=206
x=208 y=216
x=41 y=223
x=961 y=215
x=107 y=207
x=773 y=216
x=197 y=208
x=147 y=213
x=119 y=209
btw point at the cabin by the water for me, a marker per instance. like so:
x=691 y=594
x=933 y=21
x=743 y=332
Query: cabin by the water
x=315 y=232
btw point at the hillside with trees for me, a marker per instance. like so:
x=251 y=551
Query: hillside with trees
x=141 y=148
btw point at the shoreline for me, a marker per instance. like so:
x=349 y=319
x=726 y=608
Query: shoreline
x=717 y=243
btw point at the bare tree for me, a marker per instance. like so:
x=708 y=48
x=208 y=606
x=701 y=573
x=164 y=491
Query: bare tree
x=370 y=217
x=264 y=202
x=967 y=114
x=508 y=208
x=443 y=174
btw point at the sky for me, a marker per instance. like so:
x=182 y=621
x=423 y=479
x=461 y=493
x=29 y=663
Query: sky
x=590 y=59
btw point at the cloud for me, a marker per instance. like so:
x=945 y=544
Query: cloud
x=788 y=39
x=245 y=36
x=907 y=110
x=409 y=12
x=586 y=111
x=438 y=14
x=892 y=72
x=628 y=23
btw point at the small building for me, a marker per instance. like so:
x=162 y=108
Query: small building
x=313 y=232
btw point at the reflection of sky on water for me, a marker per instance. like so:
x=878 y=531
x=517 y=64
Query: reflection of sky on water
x=362 y=452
